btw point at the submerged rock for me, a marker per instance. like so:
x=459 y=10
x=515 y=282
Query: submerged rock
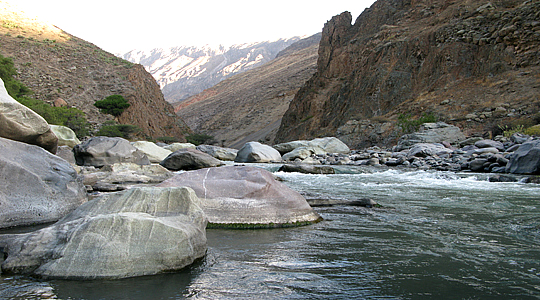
x=35 y=185
x=307 y=169
x=245 y=197
x=141 y=231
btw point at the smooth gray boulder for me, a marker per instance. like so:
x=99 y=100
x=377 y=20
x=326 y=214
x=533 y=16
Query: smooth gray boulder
x=425 y=150
x=255 y=152
x=431 y=133
x=317 y=146
x=490 y=144
x=19 y=123
x=155 y=153
x=101 y=150
x=35 y=185
x=66 y=136
x=123 y=174
x=141 y=231
x=526 y=159
x=218 y=152
x=177 y=146
x=300 y=153
x=189 y=159
x=245 y=197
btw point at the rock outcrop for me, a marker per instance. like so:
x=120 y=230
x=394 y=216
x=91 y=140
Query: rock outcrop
x=245 y=197
x=35 y=185
x=468 y=65
x=142 y=231
x=19 y=123
x=101 y=150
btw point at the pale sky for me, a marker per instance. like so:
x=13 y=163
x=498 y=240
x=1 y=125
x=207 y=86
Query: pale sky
x=119 y=26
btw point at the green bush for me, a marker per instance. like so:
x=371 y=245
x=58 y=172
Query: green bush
x=199 y=139
x=112 y=105
x=168 y=139
x=534 y=130
x=409 y=125
x=15 y=88
x=118 y=130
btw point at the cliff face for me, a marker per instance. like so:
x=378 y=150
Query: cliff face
x=185 y=71
x=57 y=65
x=249 y=106
x=471 y=63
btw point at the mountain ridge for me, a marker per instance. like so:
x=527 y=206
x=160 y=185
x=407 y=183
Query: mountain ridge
x=184 y=71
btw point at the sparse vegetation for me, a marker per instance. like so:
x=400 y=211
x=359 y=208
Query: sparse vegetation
x=112 y=129
x=199 y=139
x=409 y=125
x=112 y=105
x=168 y=139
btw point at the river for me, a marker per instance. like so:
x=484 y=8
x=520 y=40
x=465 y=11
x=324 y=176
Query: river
x=438 y=235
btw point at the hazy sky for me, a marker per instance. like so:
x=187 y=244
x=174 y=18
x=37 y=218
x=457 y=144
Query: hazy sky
x=118 y=26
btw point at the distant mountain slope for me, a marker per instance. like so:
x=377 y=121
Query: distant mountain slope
x=475 y=64
x=55 y=64
x=185 y=71
x=249 y=106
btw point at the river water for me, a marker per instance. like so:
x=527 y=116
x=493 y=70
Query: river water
x=439 y=235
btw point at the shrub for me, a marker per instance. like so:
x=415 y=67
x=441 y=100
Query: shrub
x=534 y=130
x=118 y=130
x=112 y=105
x=168 y=139
x=409 y=125
x=15 y=88
x=198 y=139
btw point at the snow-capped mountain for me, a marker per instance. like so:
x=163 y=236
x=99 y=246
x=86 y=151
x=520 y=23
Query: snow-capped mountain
x=187 y=70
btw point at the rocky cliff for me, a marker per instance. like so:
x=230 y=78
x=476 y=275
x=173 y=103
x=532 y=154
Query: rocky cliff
x=249 y=106
x=185 y=71
x=474 y=64
x=57 y=65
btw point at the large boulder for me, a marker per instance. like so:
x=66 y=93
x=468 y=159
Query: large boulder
x=245 y=197
x=189 y=159
x=154 y=152
x=178 y=146
x=19 y=123
x=66 y=136
x=316 y=146
x=218 y=152
x=122 y=175
x=299 y=153
x=432 y=133
x=35 y=185
x=101 y=150
x=526 y=159
x=141 y=231
x=255 y=152
x=489 y=144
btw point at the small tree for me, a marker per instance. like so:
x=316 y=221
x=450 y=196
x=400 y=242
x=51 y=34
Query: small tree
x=112 y=105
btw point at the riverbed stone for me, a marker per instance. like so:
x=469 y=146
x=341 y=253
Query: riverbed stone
x=19 y=123
x=255 y=152
x=140 y=231
x=300 y=153
x=307 y=169
x=426 y=149
x=526 y=159
x=177 y=146
x=189 y=159
x=220 y=153
x=245 y=197
x=317 y=146
x=66 y=136
x=121 y=175
x=35 y=185
x=101 y=150
x=155 y=153
x=431 y=133
x=489 y=144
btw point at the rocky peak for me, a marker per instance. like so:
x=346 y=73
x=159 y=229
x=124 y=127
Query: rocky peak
x=451 y=59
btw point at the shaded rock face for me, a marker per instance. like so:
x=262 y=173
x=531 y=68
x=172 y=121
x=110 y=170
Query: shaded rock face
x=142 y=231
x=189 y=159
x=100 y=151
x=526 y=159
x=235 y=196
x=255 y=152
x=19 y=123
x=35 y=186
x=412 y=57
